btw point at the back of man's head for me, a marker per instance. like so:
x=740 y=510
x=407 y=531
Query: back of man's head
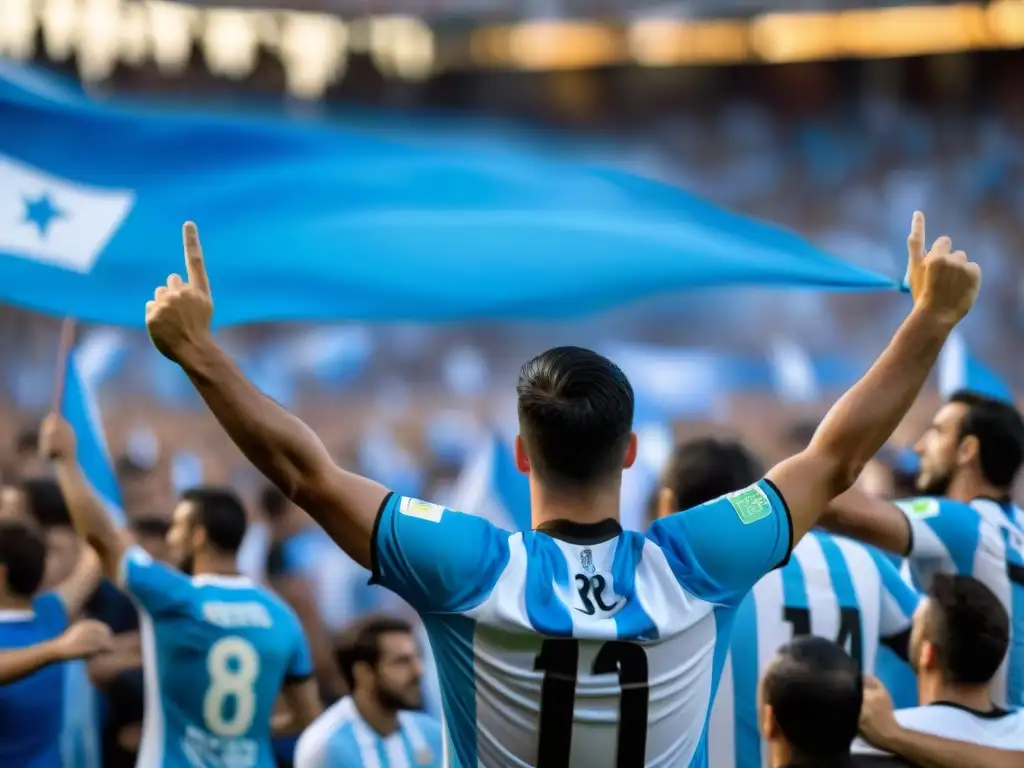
x=811 y=696
x=220 y=513
x=45 y=502
x=999 y=429
x=704 y=469
x=22 y=558
x=273 y=502
x=575 y=417
x=962 y=632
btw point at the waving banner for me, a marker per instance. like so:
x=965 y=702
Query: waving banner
x=315 y=223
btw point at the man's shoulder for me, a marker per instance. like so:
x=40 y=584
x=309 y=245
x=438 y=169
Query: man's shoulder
x=27 y=627
x=331 y=736
x=929 y=507
x=917 y=718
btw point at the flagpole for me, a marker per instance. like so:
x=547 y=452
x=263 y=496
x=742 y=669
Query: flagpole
x=68 y=332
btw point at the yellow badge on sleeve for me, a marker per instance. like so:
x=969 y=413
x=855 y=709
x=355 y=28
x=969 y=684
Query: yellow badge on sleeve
x=424 y=510
x=920 y=509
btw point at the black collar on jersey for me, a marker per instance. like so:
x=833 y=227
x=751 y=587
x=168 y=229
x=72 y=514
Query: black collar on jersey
x=581 y=533
x=992 y=714
x=843 y=761
x=1003 y=501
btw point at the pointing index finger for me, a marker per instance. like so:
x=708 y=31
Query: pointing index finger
x=194 y=264
x=915 y=241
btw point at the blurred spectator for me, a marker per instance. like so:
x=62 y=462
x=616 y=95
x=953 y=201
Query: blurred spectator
x=809 y=706
x=299 y=548
x=961 y=635
x=43 y=500
x=48 y=716
x=382 y=666
x=843 y=587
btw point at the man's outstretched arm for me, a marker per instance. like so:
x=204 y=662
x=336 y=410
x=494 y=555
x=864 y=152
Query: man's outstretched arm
x=89 y=516
x=944 y=285
x=869 y=519
x=277 y=443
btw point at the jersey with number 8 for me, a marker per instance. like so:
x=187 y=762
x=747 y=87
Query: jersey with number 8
x=216 y=651
x=575 y=646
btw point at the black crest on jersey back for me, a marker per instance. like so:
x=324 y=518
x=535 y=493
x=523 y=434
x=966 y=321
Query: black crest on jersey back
x=587 y=560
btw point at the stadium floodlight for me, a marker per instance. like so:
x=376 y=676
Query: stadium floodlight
x=59 y=21
x=17 y=29
x=172 y=27
x=98 y=38
x=230 y=43
x=314 y=51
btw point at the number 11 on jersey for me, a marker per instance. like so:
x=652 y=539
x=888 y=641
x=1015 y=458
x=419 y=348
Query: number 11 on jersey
x=559 y=660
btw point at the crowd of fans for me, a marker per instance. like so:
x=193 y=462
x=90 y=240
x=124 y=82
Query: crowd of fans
x=838 y=156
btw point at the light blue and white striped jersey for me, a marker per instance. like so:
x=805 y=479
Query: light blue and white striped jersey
x=831 y=587
x=576 y=645
x=216 y=651
x=983 y=539
x=340 y=738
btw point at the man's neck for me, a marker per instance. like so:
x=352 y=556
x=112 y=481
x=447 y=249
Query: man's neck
x=214 y=564
x=965 y=487
x=383 y=721
x=591 y=506
x=974 y=697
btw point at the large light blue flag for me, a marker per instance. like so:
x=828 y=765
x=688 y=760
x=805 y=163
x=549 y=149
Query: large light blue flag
x=308 y=222
x=79 y=408
x=959 y=369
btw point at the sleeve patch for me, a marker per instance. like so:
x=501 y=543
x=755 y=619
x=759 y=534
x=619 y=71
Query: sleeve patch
x=920 y=509
x=421 y=509
x=751 y=504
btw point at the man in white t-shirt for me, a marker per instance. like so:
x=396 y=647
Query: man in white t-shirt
x=960 y=636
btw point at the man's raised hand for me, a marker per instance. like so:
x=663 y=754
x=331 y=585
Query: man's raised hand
x=56 y=439
x=943 y=282
x=178 y=317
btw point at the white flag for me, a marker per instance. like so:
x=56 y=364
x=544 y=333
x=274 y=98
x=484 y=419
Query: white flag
x=55 y=221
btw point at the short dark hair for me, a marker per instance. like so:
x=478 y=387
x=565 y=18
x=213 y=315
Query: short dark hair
x=575 y=415
x=45 y=502
x=1000 y=431
x=969 y=627
x=23 y=555
x=151 y=525
x=815 y=690
x=273 y=502
x=705 y=468
x=221 y=514
x=362 y=643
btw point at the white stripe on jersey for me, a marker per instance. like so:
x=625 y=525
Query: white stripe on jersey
x=1000 y=730
x=991 y=570
x=310 y=749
